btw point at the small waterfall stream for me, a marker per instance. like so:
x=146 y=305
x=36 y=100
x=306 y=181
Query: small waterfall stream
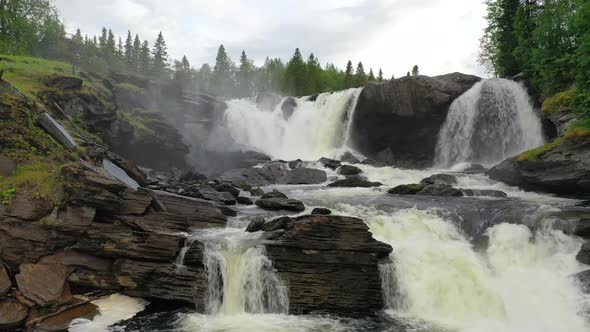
x=492 y=121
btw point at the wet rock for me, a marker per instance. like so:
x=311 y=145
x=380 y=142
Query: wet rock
x=407 y=189
x=355 y=182
x=244 y=200
x=584 y=255
x=398 y=121
x=274 y=194
x=5 y=282
x=320 y=257
x=275 y=204
x=440 y=179
x=313 y=97
x=321 y=211
x=330 y=163
x=584 y=279
x=118 y=173
x=439 y=190
x=228 y=188
x=60 y=321
x=57 y=131
x=293 y=164
x=64 y=82
x=193 y=176
x=288 y=107
x=274 y=171
x=251 y=176
x=7 y=166
x=349 y=170
x=475 y=169
x=304 y=175
x=583 y=228
x=348 y=157
x=44 y=284
x=255 y=225
x=483 y=192
x=257 y=192
x=27 y=208
x=12 y=314
x=369 y=162
x=210 y=194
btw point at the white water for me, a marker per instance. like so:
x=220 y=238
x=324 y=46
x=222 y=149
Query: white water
x=491 y=122
x=316 y=129
x=112 y=309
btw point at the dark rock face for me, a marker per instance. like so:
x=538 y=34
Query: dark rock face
x=304 y=175
x=564 y=170
x=584 y=279
x=440 y=179
x=64 y=83
x=288 y=107
x=255 y=225
x=275 y=204
x=321 y=258
x=43 y=283
x=397 y=122
x=584 y=254
x=321 y=211
x=348 y=157
x=12 y=314
x=483 y=192
x=257 y=192
x=244 y=200
x=349 y=170
x=583 y=228
x=7 y=166
x=355 y=182
x=425 y=190
x=193 y=175
x=330 y=163
x=5 y=282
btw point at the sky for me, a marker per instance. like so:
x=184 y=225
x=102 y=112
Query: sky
x=440 y=36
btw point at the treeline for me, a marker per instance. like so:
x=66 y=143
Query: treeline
x=547 y=41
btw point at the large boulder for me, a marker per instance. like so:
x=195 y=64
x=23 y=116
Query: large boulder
x=425 y=190
x=564 y=169
x=288 y=107
x=12 y=314
x=397 y=122
x=64 y=82
x=44 y=284
x=304 y=175
x=331 y=264
x=583 y=255
x=347 y=170
x=354 y=183
x=279 y=203
x=5 y=282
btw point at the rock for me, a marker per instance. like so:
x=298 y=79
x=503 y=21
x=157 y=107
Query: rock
x=402 y=117
x=583 y=228
x=61 y=321
x=244 y=200
x=27 y=208
x=251 y=176
x=57 y=131
x=12 y=314
x=5 y=282
x=584 y=279
x=7 y=166
x=330 y=163
x=288 y=107
x=425 y=189
x=64 y=83
x=313 y=97
x=484 y=192
x=293 y=164
x=257 y=192
x=255 y=225
x=321 y=257
x=348 y=157
x=369 y=162
x=210 y=194
x=407 y=189
x=321 y=211
x=193 y=176
x=304 y=175
x=44 y=284
x=440 y=179
x=275 y=204
x=274 y=194
x=118 y=173
x=584 y=255
x=267 y=101
x=349 y=170
x=228 y=188
x=355 y=182
x=562 y=170
x=274 y=171
x=475 y=169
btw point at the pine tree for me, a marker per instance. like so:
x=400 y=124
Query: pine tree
x=408 y=74
x=160 y=57
x=129 y=55
x=222 y=72
x=245 y=76
x=380 y=77
x=135 y=54
x=102 y=40
x=348 y=76
x=110 y=48
x=120 y=50
x=360 y=78
x=295 y=74
x=415 y=71
x=371 y=75
x=314 y=72
x=182 y=70
x=144 y=62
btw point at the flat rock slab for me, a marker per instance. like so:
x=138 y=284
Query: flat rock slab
x=119 y=174
x=7 y=166
x=42 y=283
x=304 y=175
x=275 y=204
x=57 y=131
x=25 y=208
x=62 y=320
x=12 y=314
x=5 y=282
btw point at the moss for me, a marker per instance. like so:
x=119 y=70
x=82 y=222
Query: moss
x=579 y=129
x=534 y=154
x=139 y=121
x=37 y=179
x=559 y=102
x=129 y=87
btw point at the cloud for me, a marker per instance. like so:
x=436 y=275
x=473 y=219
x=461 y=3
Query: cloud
x=439 y=35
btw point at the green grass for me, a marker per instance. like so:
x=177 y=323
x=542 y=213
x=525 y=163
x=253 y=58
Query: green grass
x=129 y=87
x=139 y=121
x=38 y=179
x=579 y=129
x=559 y=102
x=534 y=154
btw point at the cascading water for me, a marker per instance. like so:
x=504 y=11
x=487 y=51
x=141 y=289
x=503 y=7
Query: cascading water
x=492 y=121
x=316 y=129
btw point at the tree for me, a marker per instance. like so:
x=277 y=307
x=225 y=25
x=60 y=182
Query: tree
x=222 y=71
x=129 y=55
x=160 y=58
x=380 y=77
x=135 y=54
x=371 y=75
x=408 y=74
x=348 y=76
x=295 y=74
x=245 y=76
x=110 y=48
x=360 y=78
x=144 y=63
x=415 y=71
x=182 y=71
x=313 y=75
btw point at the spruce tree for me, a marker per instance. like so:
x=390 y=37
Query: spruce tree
x=371 y=75
x=144 y=62
x=160 y=57
x=110 y=48
x=135 y=54
x=348 y=76
x=129 y=51
x=102 y=40
x=314 y=72
x=360 y=78
x=380 y=77
x=415 y=71
x=120 y=50
x=245 y=76
x=295 y=74
x=223 y=82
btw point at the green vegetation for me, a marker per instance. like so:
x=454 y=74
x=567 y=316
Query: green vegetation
x=140 y=120
x=559 y=102
x=533 y=155
x=6 y=195
x=38 y=179
x=578 y=129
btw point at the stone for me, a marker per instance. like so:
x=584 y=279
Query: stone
x=398 y=121
x=484 y=192
x=355 y=182
x=57 y=131
x=349 y=170
x=256 y=192
x=440 y=190
x=64 y=82
x=406 y=189
x=330 y=163
x=583 y=228
x=274 y=194
x=288 y=107
x=440 y=179
x=12 y=314
x=293 y=164
x=584 y=280
x=275 y=204
x=475 y=169
x=7 y=166
x=274 y=171
x=583 y=255
x=44 y=284
x=62 y=320
x=255 y=225
x=244 y=200
x=118 y=173
x=321 y=211
x=251 y=176
x=348 y=157
x=5 y=283
x=27 y=208
x=304 y=175
x=210 y=194
x=228 y=188
x=193 y=175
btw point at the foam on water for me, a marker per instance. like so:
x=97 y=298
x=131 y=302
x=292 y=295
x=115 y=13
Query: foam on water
x=112 y=309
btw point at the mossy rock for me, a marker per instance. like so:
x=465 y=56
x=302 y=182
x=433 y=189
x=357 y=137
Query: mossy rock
x=558 y=103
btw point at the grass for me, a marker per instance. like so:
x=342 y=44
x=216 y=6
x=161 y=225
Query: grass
x=38 y=179
x=129 y=87
x=534 y=154
x=579 y=129
x=559 y=102
x=140 y=120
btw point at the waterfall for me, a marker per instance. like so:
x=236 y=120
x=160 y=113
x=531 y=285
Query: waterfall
x=492 y=121
x=240 y=278
x=316 y=129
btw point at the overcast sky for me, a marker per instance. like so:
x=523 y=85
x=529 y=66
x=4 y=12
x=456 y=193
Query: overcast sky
x=440 y=36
